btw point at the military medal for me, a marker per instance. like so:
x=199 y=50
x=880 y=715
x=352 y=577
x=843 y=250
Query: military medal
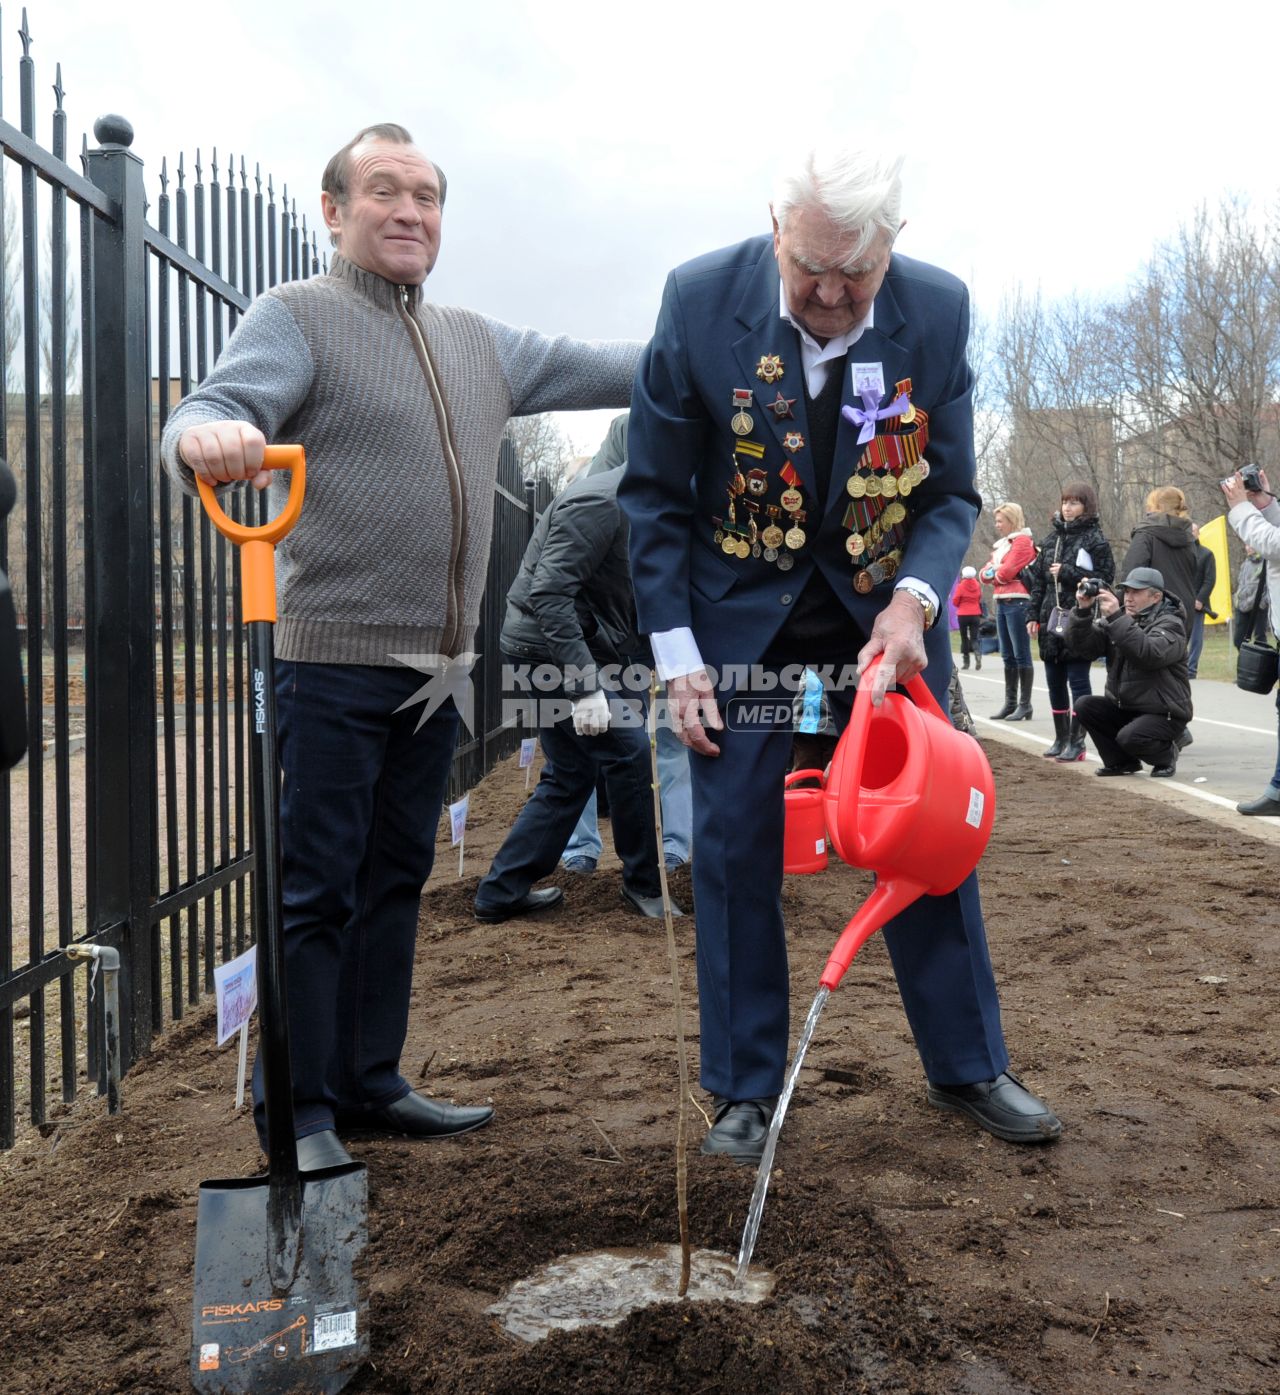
x=742 y=421
x=794 y=538
x=769 y=369
x=863 y=584
x=889 y=486
x=771 y=554
x=742 y=547
x=873 y=487
x=855 y=545
x=793 y=441
x=729 y=544
x=856 y=487
x=773 y=536
x=909 y=415
x=781 y=407
x=785 y=561
x=757 y=482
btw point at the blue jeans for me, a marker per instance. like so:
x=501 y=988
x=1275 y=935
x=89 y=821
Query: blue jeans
x=360 y=800
x=1011 y=627
x=1195 y=643
x=677 y=806
x=1072 y=674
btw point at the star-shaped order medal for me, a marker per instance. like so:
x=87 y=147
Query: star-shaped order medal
x=781 y=407
x=793 y=441
x=769 y=369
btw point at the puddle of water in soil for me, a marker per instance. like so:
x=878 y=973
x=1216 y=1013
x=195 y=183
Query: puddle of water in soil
x=601 y=1288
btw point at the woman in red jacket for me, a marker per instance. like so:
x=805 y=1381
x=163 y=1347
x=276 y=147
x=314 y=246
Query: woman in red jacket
x=967 y=599
x=1015 y=548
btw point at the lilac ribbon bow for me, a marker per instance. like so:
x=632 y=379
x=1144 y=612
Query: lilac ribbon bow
x=868 y=414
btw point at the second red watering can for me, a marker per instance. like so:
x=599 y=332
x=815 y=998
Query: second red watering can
x=804 y=843
x=908 y=797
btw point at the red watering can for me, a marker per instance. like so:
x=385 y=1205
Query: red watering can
x=908 y=797
x=804 y=841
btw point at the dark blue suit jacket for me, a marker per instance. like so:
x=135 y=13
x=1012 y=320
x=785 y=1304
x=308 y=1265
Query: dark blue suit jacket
x=719 y=315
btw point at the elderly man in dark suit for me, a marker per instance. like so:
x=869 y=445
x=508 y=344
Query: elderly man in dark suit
x=801 y=491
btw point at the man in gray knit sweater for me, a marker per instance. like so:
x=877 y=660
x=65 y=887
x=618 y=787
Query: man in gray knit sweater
x=401 y=405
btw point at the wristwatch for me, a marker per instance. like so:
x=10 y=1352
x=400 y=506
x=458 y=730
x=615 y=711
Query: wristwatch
x=919 y=594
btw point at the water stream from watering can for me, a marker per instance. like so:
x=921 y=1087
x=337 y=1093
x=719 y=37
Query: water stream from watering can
x=756 y=1210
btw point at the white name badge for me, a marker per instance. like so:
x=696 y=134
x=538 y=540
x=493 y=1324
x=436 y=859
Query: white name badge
x=867 y=378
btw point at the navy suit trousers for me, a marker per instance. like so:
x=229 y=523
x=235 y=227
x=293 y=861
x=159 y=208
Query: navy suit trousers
x=360 y=803
x=938 y=945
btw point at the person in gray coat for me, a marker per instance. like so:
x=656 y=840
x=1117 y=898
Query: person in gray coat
x=1147 y=703
x=1254 y=516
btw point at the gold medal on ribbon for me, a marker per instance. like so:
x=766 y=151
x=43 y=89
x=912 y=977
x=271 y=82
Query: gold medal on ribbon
x=854 y=545
x=873 y=487
x=741 y=421
x=909 y=415
x=906 y=482
x=742 y=547
x=772 y=536
x=895 y=513
x=792 y=499
x=889 y=487
x=729 y=545
x=794 y=538
x=856 y=487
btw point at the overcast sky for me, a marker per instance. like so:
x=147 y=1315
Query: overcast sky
x=591 y=147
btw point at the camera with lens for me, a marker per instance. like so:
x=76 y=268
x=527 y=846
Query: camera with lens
x=1090 y=586
x=1251 y=478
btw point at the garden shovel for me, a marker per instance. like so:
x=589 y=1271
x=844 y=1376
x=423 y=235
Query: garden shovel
x=277 y=1306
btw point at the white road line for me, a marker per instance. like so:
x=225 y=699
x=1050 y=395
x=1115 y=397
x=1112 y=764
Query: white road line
x=1209 y=798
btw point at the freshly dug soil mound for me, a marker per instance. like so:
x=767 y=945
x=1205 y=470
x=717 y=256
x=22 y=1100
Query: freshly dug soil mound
x=1138 y=956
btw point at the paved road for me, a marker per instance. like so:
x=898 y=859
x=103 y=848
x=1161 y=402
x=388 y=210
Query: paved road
x=1231 y=759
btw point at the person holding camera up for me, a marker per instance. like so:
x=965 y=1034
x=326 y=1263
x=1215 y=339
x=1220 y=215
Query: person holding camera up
x=1147 y=703
x=1254 y=516
x=1075 y=550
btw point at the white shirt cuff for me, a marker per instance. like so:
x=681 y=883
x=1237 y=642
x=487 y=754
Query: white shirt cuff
x=675 y=653
x=921 y=586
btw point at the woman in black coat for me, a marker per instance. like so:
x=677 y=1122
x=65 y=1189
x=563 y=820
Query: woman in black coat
x=1075 y=549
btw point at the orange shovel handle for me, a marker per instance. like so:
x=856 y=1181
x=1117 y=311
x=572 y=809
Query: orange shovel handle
x=257 y=544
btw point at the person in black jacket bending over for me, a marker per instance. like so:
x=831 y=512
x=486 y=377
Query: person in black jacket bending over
x=1148 y=698
x=568 y=637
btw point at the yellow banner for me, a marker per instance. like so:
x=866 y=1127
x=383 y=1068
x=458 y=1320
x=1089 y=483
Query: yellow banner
x=1214 y=536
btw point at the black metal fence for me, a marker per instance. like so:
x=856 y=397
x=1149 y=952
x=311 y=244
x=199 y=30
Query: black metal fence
x=127 y=827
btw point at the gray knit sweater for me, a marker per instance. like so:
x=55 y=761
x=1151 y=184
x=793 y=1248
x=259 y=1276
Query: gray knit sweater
x=401 y=406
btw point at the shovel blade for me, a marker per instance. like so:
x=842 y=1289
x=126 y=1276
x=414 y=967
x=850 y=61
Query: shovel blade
x=311 y=1336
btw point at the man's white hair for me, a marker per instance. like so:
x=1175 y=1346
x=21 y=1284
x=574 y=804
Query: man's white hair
x=859 y=190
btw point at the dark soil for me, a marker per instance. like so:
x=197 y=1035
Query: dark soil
x=1139 y=958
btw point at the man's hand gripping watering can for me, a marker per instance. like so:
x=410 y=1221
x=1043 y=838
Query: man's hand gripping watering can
x=910 y=798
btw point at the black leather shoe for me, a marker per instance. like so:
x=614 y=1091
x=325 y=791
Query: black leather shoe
x=320 y=1150
x=1119 y=769
x=1264 y=805
x=1003 y=1107
x=740 y=1128
x=650 y=906
x=529 y=903
x=1163 y=772
x=415 y=1116
x=1183 y=739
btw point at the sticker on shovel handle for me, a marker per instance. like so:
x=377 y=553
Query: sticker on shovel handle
x=977 y=803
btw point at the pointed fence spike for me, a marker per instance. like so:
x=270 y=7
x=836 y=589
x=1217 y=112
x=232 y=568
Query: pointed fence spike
x=164 y=174
x=58 y=89
x=181 y=171
x=257 y=177
x=197 y=164
x=214 y=166
x=25 y=34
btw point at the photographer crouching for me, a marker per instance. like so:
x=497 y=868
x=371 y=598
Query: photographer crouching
x=1147 y=704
